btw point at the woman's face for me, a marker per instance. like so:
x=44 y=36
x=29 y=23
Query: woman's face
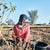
x=23 y=20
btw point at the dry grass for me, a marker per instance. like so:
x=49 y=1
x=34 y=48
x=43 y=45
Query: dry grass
x=19 y=46
x=40 y=34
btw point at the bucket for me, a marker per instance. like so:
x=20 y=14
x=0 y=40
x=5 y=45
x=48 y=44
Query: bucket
x=41 y=46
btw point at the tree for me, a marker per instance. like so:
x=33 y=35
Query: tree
x=49 y=23
x=32 y=16
x=3 y=9
x=10 y=22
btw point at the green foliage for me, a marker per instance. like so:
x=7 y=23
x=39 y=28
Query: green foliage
x=0 y=16
x=32 y=16
x=4 y=8
x=49 y=23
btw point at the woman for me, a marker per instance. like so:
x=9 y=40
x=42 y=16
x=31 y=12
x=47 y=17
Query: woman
x=21 y=30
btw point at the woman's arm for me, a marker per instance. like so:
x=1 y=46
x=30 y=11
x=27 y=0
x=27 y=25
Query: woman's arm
x=13 y=33
x=27 y=33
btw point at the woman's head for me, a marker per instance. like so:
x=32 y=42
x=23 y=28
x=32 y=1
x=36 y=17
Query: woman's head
x=22 y=18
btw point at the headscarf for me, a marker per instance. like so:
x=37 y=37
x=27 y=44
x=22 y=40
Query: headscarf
x=23 y=16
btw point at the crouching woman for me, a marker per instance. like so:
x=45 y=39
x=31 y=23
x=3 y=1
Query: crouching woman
x=21 y=30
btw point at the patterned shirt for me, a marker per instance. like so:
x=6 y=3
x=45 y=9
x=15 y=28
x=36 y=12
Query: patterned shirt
x=21 y=32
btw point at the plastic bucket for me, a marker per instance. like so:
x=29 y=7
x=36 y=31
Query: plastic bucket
x=41 y=46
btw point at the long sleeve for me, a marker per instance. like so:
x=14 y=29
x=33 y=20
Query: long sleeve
x=27 y=33
x=14 y=33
